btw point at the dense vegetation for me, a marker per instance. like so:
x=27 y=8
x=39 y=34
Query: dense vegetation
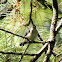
x=42 y=18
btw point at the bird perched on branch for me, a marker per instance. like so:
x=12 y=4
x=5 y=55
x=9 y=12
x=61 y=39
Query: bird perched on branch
x=31 y=34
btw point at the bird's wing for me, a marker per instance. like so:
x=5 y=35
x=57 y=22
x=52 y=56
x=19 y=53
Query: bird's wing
x=27 y=32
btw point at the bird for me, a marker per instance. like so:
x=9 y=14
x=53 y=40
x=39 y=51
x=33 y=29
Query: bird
x=31 y=34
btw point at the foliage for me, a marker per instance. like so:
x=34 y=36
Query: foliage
x=42 y=19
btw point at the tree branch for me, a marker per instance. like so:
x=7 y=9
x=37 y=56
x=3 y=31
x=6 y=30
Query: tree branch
x=24 y=52
x=15 y=34
x=43 y=42
x=55 y=54
x=52 y=31
x=54 y=20
x=39 y=53
x=30 y=20
x=59 y=26
x=47 y=54
x=16 y=53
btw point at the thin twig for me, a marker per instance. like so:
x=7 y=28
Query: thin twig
x=55 y=54
x=39 y=42
x=24 y=52
x=59 y=26
x=32 y=20
x=15 y=34
x=40 y=37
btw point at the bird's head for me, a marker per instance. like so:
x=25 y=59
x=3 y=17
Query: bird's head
x=33 y=28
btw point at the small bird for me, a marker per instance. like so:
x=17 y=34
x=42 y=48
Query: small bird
x=31 y=34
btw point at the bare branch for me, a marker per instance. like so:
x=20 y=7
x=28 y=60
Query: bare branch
x=54 y=20
x=59 y=54
x=39 y=53
x=40 y=37
x=32 y=20
x=59 y=26
x=30 y=15
x=16 y=53
x=39 y=42
x=24 y=52
x=55 y=54
x=14 y=34
x=47 y=54
x=52 y=31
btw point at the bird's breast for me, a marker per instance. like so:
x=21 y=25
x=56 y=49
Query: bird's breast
x=32 y=35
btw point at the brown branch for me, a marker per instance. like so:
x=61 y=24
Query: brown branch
x=40 y=37
x=24 y=52
x=47 y=54
x=39 y=53
x=14 y=34
x=32 y=20
x=39 y=42
x=59 y=54
x=55 y=54
x=16 y=53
